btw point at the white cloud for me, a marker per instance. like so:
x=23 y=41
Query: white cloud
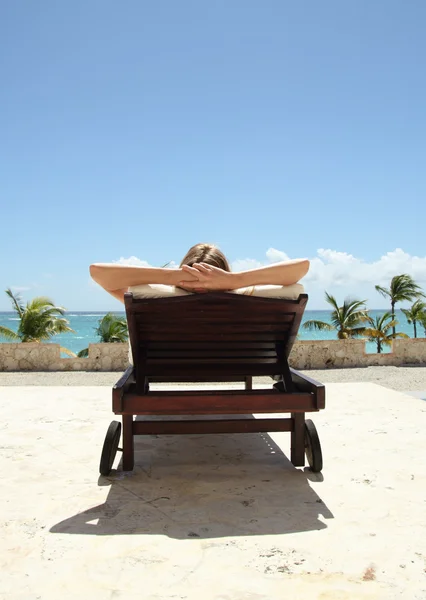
x=133 y=261
x=244 y=264
x=331 y=268
x=274 y=255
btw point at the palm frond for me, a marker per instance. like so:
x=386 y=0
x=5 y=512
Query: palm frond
x=372 y=333
x=83 y=353
x=385 y=292
x=112 y=329
x=387 y=326
x=45 y=304
x=16 y=302
x=347 y=317
x=39 y=324
x=403 y=287
x=318 y=325
x=379 y=330
x=415 y=312
x=40 y=319
x=59 y=326
x=407 y=314
x=9 y=334
x=357 y=331
x=331 y=300
x=68 y=352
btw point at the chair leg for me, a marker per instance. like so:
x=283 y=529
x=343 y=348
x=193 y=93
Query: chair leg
x=128 y=445
x=249 y=383
x=298 y=440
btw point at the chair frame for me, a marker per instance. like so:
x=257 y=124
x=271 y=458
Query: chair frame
x=215 y=337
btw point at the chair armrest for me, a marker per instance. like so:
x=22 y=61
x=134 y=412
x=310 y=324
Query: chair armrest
x=121 y=387
x=307 y=384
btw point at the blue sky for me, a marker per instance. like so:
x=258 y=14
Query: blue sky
x=279 y=128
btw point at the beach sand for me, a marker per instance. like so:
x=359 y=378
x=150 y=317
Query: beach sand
x=223 y=517
x=395 y=378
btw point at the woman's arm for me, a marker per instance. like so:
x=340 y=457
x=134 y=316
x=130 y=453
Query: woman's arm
x=116 y=279
x=209 y=277
x=283 y=273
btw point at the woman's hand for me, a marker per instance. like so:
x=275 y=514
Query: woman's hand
x=208 y=278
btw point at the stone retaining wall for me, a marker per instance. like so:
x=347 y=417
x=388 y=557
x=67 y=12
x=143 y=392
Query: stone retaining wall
x=305 y=355
x=334 y=354
x=47 y=357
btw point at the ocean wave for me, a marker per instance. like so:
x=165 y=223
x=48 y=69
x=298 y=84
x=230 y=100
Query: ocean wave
x=85 y=314
x=17 y=319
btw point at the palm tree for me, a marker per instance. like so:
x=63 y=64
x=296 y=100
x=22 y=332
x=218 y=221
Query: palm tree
x=422 y=320
x=110 y=329
x=402 y=287
x=379 y=330
x=39 y=321
x=415 y=313
x=346 y=319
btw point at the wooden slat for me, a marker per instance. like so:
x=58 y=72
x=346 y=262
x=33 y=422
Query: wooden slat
x=224 y=354
x=216 y=402
x=214 y=363
x=257 y=369
x=171 y=336
x=213 y=326
x=211 y=377
x=228 y=393
x=207 y=345
x=205 y=321
x=211 y=426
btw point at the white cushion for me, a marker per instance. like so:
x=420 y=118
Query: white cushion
x=157 y=290
x=290 y=292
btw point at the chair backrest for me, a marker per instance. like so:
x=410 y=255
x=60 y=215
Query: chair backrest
x=212 y=336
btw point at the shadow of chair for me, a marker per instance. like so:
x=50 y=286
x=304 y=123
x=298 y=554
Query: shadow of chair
x=205 y=486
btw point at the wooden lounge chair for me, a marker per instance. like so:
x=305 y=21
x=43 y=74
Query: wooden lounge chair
x=210 y=338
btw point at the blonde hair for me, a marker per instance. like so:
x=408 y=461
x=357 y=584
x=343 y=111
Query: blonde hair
x=207 y=253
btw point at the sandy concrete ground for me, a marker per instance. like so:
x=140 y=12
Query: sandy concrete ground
x=396 y=378
x=223 y=517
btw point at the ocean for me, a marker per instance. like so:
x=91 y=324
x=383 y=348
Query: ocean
x=85 y=323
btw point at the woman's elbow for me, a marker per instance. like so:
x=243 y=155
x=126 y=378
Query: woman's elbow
x=94 y=271
x=299 y=270
x=305 y=266
x=98 y=275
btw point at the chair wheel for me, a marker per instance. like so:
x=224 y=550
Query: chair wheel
x=313 y=447
x=110 y=447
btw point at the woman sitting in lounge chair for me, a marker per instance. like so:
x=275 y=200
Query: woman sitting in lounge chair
x=203 y=268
